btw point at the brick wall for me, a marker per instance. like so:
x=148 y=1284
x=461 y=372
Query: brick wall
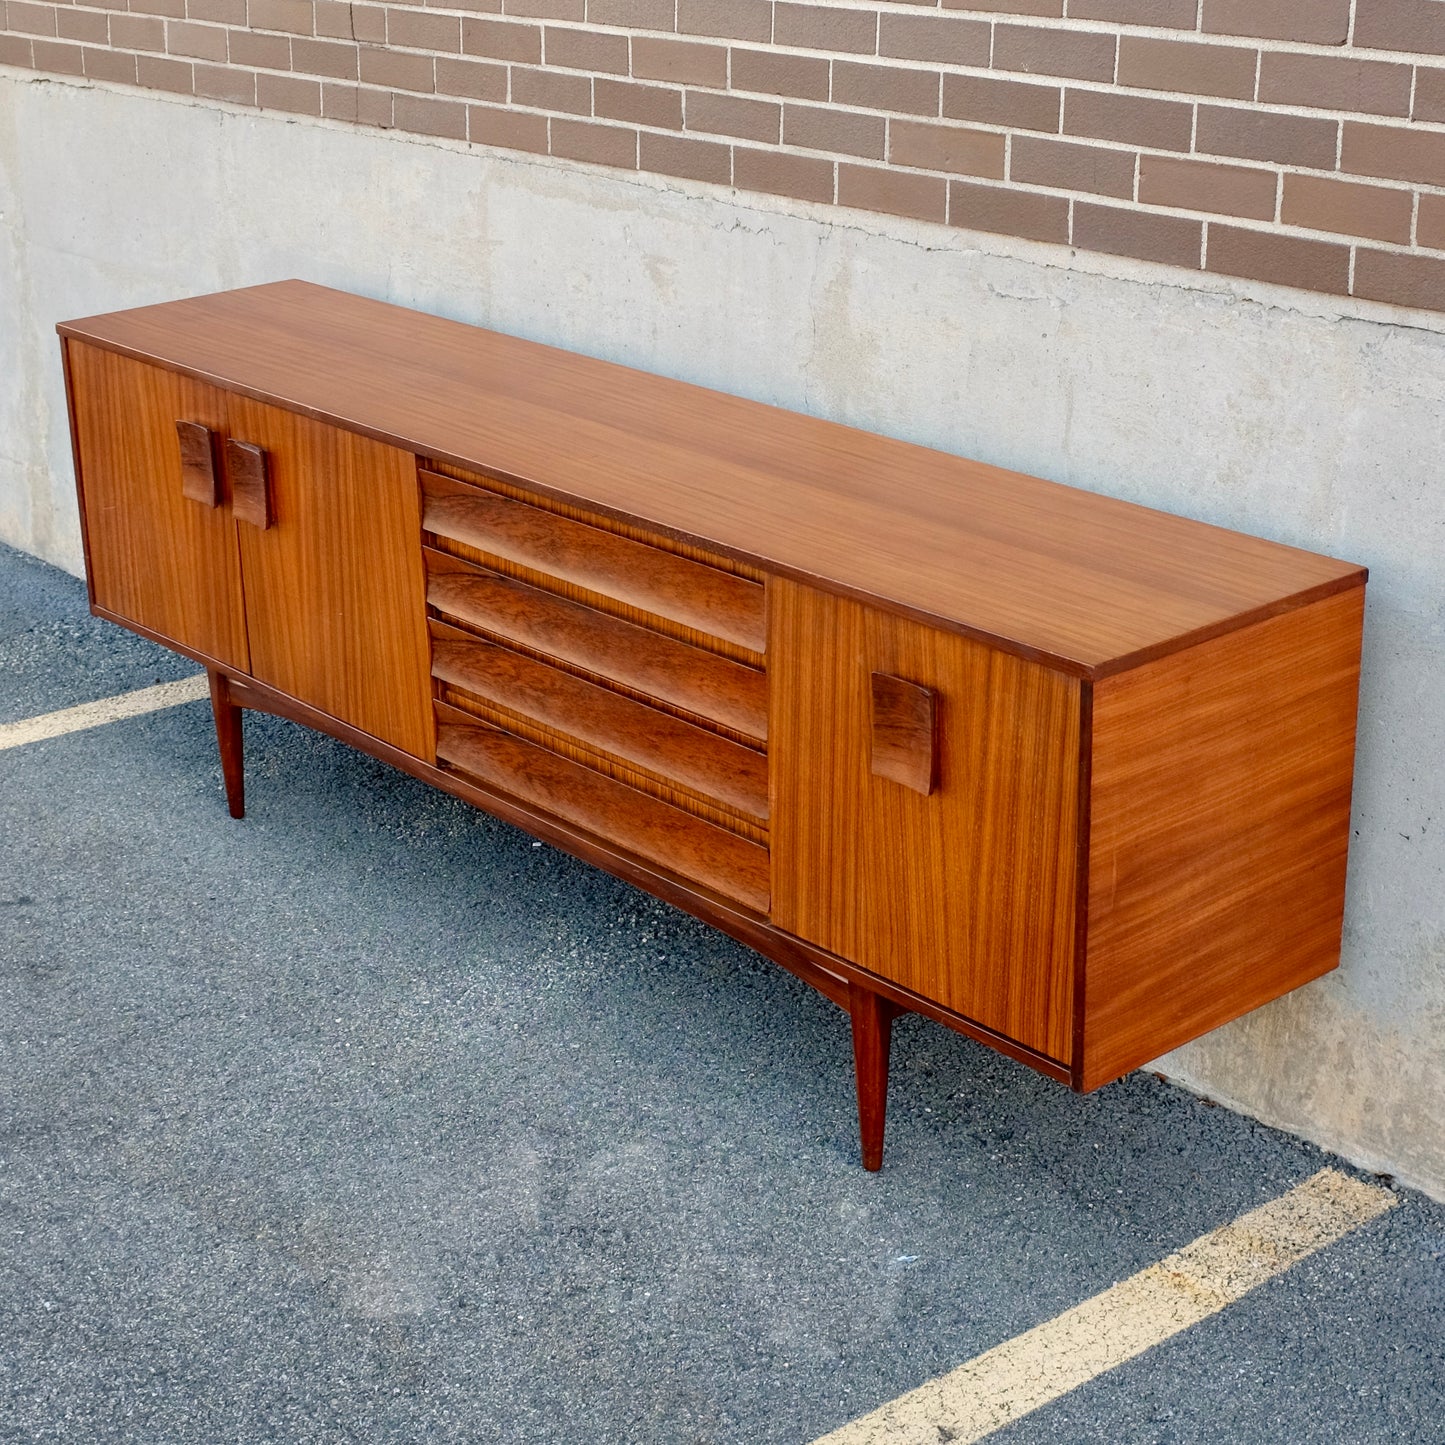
x=1300 y=142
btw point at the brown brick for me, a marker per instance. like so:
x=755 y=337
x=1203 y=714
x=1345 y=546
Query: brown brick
x=1289 y=140
x=1166 y=14
x=293 y=16
x=158 y=72
x=1187 y=66
x=548 y=9
x=687 y=62
x=942 y=39
x=1400 y=280
x=331 y=58
x=249 y=47
x=1191 y=185
x=1007 y=212
x=107 y=65
x=696 y=160
x=483 y=7
x=218 y=12
x=146 y=32
x=89 y=26
x=373 y=107
x=419 y=30
x=1335 y=82
x=951 y=148
x=883 y=87
x=17 y=50
x=473 y=79
x=1282 y=260
x=775 y=73
x=1412 y=25
x=727 y=19
x=780 y=174
x=30 y=19
x=368 y=25
x=59 y=57
x=286 y=92
x=599 y=145
x=1430 y=222
x=502 y=40
x=513 y=130
x=1429 y=93
x=226 y=82
x=1069 y=167
x=585 y=50
x=330 y=18
x=1009 y=7
x=1396 y=152
x=636 y=14
x=732 y=115
x=1165 y=125
x=820 y=128
x=1002 y=102
x=423 y=116
x=1117 y=231
x=201 y=42
x=171 y=9
x=896 y=193
x=1320 y=22
x=397 y=69
x=551 y=90
x=826 y=27
x=1319 y=203
x=1079 y=54
x=659 y=106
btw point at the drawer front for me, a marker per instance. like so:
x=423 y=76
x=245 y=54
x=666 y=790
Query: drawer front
x=689 y=593
x=623 y=816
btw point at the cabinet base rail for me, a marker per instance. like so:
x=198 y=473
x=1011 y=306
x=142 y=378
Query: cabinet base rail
x=871 y=1003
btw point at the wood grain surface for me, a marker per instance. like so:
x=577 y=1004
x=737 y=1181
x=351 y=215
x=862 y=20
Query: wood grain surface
x=701 y=683
x=965 y=896
x=1090 y=583
x=645 y=577
x=1219 y=828
x=604 y=720
x=905 y=732
x=335 y=591
x=623 y=817
x=156 y=557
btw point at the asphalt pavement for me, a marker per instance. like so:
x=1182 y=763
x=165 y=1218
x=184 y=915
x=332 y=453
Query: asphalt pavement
x=369 y=1119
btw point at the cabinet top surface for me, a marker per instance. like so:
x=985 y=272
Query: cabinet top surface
x=1086 y=582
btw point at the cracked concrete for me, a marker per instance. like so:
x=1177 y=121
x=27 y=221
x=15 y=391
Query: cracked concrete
x=1284 y=414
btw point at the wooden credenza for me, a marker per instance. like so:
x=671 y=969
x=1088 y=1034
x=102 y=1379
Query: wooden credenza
x=1064 y=773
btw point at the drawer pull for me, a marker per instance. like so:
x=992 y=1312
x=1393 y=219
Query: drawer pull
x=199 y=479
x=250 y=483
x=905 y=733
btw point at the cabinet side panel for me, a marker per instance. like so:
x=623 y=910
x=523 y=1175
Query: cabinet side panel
x=1220 y=816
x=156 y=557
x=335 y=588
x=965 y=894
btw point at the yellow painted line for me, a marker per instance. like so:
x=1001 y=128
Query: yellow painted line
x=107 y=710
x=1042 y=1364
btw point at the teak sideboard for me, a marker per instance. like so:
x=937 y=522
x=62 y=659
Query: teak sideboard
x=1064 y=773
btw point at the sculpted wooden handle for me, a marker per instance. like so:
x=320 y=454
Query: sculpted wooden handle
x=905 y=732
x=199 y=478
x=250 y=483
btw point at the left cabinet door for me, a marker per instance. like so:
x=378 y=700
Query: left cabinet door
x=155 y=557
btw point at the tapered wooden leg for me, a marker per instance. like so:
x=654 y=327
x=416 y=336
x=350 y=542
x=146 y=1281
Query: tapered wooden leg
x=873 y=1019
x=228 y=739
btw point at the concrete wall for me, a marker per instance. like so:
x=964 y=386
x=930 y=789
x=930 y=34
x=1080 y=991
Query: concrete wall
x=1267 y=410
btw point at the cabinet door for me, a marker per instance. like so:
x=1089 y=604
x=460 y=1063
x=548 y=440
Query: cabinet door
x=964 y=893
x=335 y=596
x=155 y=557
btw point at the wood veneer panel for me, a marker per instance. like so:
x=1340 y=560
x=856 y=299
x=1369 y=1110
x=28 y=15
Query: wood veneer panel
x=1088 y=582
x=965 y=896
x=646 y=577
x=687 y=677
x=335 y=590
x=156 y=557
x=608 y=809
x=1220 y=808
x=605 y=720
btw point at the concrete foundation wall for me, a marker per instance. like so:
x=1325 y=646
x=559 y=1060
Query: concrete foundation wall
x=1266 y=410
